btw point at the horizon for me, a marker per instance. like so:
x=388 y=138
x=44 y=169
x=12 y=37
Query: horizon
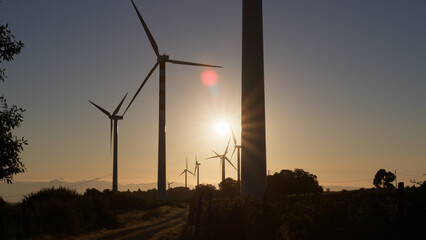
x=15 y=192
x=344 y=85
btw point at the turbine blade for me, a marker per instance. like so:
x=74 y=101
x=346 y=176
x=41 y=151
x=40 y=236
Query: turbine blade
x=192 y=64
x=217 y=154
x=227 y=146
x=187 y=163
x=140 y=88
x=148 y=33
x=232 y=153
x=212 y=157
x=102 y=110
x=233 y=136
x=191 y=172
x=182 y=173
x=230 y=162
x=119 y=105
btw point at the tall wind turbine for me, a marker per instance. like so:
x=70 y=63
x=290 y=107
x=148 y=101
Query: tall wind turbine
x=222 y=158
x=253 y=137
x=197 y=170
x=236 y=147
x=186 y=171
x=161 y=60
x=114 y=124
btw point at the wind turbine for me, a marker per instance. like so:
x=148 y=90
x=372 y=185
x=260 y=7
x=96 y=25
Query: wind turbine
x=161 y=60
x=223 y=157
x=168 y=184
x=236 y=147
x=197 y=170
x=114 y=124
x=186 y=171
x=253 y=128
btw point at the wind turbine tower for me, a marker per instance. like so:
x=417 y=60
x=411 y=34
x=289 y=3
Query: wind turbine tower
x=161 y=60
x=197 y=170
x=238 y=148
x=114 y=125
x=253 y=139
x=186 y=171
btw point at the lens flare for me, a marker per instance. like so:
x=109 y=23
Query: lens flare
x=209 y=78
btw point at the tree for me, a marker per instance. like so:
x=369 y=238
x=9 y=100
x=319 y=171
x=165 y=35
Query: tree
x=10 y=118
x=384 y=179
x=229 y=188
x=292 y=182
x=9 y=47
x=10 y=146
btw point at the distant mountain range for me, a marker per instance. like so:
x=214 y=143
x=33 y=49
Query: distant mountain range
x=15 y=192
x=337 y=188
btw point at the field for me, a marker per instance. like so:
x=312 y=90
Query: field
x=207 y=213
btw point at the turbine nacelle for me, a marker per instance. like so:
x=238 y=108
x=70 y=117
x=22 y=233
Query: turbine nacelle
x=163 y=58
x=116 y=117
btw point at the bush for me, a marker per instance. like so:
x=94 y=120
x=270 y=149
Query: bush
x=361 y=214
x=56 y=212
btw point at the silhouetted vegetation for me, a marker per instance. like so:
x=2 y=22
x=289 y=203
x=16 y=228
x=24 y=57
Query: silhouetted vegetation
x=298 y=211
x=9 y=47
x=384 y=179
x=60 y=212
x=178 y=194
x=10 y=118
x=360 y=214
x=296 y=207
x=229 y=188
x=288 y=182
x=56 y=212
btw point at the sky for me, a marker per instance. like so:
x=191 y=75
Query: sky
x=345 y=87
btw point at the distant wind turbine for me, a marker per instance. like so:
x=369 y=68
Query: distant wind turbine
x=114 y=125
x=169 y=184
x=186 y=171
x=236 y=147
x=161 y=60
x=223 y=157
x=197 y=170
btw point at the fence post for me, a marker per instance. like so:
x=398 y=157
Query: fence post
x=401 y=209
x=198 y=216
x=266 y=222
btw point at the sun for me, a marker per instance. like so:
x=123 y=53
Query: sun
x=221 y=127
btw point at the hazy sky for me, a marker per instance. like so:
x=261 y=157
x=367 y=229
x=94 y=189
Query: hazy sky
x=345 y=86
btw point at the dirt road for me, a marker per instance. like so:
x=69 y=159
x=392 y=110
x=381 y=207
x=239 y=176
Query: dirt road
x=167 y=226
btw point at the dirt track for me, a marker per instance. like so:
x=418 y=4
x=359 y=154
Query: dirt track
x=165 y=227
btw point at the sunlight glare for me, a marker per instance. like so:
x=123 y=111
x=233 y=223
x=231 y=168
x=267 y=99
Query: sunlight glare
x=221 y=128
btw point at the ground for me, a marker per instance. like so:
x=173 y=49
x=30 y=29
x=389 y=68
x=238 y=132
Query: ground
x=164 y=223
